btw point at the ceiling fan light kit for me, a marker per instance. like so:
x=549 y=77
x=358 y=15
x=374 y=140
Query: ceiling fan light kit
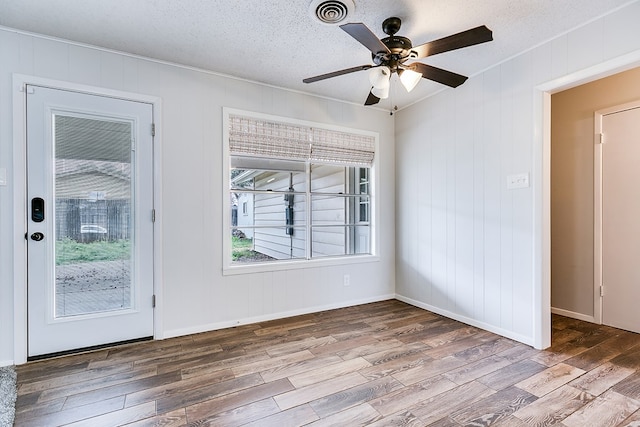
x=380 y=92
x=379 y=76
x=393 y=53
x=409 y=78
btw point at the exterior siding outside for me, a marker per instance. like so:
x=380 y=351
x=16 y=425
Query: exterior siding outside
x=269 y=210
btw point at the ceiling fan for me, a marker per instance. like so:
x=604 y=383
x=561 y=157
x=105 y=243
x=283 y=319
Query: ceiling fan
x=391 y=54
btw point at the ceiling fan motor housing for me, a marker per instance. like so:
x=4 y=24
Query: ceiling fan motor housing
x=400 y=48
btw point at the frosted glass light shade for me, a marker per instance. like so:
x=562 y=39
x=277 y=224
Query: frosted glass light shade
x=379 y=77
x=381 y=92
x=410 y=79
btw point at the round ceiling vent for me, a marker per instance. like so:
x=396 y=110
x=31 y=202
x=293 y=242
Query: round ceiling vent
x=331 y=12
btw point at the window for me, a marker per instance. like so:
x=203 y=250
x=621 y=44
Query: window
x=304 y=191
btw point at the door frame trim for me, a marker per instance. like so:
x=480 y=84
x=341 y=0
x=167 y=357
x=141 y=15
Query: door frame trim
x=597 y=203
x=20 y=326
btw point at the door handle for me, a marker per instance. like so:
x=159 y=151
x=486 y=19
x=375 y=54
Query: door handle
x=37 y=236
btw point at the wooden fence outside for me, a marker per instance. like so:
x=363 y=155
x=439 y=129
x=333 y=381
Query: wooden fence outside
x=87 y=221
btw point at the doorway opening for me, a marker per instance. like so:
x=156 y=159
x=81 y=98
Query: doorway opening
x=543 y=161
x=575 y=162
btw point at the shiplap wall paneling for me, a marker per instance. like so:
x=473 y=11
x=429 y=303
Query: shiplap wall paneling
x=585 y=46
x=493 y=189
x=559 y=59
x=196 y=294
x=407 y=174
x=448 y=127
x=522 y=141
x=621 y=32
x=50 y=57
x=439 y=189
x=500 y=132
x=478 y=246
x=10 y=47
x=86 y=66
x=464 y=198
x=507 y=147
x=421 y=193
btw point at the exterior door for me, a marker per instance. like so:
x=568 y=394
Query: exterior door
x=621 y=219
x=90 y=230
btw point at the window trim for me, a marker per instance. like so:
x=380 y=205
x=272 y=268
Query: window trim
x=228 y=268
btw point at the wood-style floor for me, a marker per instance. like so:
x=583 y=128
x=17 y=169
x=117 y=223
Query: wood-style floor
x=381 y=364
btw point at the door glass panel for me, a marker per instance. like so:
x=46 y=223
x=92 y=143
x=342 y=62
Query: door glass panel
x=93 y=212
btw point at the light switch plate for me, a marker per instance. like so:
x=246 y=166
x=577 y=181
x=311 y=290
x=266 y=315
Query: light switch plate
x=520 y=180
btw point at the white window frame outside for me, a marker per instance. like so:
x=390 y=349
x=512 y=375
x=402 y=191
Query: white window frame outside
x=230 y=268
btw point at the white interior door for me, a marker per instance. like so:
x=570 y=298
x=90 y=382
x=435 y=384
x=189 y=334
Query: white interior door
x=90 y=230
x=621 y=219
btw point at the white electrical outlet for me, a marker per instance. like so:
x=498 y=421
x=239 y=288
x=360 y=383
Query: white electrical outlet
x=346 y=280
x=520 y=180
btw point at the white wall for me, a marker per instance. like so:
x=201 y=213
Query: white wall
x=196 y=296
x=466 y=244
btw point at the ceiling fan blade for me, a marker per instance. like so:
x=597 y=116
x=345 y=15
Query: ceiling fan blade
x=363 y=34
x=371 y=99
x=438 y=74
x=336 y=73
x=470 y=37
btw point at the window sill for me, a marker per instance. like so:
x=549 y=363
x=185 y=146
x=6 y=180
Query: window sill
x=296 y=264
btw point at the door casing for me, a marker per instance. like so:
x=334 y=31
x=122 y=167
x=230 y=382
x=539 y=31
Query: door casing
x=20 y=199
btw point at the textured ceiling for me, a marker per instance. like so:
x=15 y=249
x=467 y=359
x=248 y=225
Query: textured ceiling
x=278 y=42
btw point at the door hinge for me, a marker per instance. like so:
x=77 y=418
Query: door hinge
x=153 y=129
x=601 y=291
x=601 y=138
x=153 y=215
x=153 y=301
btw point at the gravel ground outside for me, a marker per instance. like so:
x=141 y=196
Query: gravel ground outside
x=90 y=287
x=93 y=287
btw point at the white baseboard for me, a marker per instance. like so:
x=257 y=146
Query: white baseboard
x=273 y=316
x=6 y=363
x=573 y=315
x=487 y=327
